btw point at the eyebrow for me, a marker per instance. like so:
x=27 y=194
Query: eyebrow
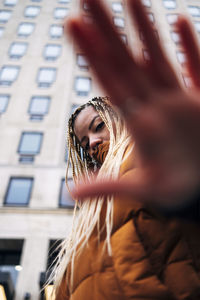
x=90 y=126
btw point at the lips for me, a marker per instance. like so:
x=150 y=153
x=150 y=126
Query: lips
x=101 y=152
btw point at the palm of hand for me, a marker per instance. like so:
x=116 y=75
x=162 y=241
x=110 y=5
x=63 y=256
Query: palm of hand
x=162 y=117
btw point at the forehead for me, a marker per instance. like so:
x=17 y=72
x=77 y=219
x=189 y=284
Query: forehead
x=83 y=121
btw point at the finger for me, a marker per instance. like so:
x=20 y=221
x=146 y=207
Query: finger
x=129 y=188
x=110 y=52
x=161 y=69
x=101 y=57
x=191 y=48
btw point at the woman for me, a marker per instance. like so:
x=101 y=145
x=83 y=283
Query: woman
x=118 y=251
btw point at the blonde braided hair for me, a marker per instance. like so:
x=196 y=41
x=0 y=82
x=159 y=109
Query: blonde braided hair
x=87 y=218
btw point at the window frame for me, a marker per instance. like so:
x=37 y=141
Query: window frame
x=61 y=192
x=115 y=18
x=25 y=203
x=193 y=6
x=10 y=5
x=60 y=17
x=82 y=93
x=15 y=56
x=117 y=3
x=29 y=15
x=85 y=64
x=2 y=21
x=46 y=84
x=7 y=102
x=52 y=58
x=172 y=1
x=147 y=3
x=175 y=15
x=55 y=36
x=23 y=34
x=7 y=82
x=29 y=153
x=38 y=116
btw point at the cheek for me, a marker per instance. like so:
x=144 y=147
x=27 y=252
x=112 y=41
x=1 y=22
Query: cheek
x=106 y=134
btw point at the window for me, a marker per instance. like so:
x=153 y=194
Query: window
x=146 y=55
x=5 y=15
x=82 y=86
x=169 y=4
x=10 y=2
x=60 y=12
x=25 y=29
x=29 y=146
x=151 y=17
x=187 y=81
x=32 y=11
x=85 y=6
x=146 y=3
x=46 y=76
x=8 y=74
x=81 y=61
x=175 y=37
x=119 y=22
x=10 y=257
x=194 y=10
x=172 y=18
x=17 y=49
x=4 y=99
x=181 y=57
x=117 y=7
x=19 y=191
x=1 y=31
x=39 y=106
x=124 y=38
x=73 y=108
x=52 y=51
x=197 y=26
x=65 y=199
x=56 y=31
x=64 y=1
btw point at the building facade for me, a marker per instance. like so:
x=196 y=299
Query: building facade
x=43 y=78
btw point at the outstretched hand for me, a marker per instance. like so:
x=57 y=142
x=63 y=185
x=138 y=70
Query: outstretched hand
x=162 y=117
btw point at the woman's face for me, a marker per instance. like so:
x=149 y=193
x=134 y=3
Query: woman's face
x=90 y=129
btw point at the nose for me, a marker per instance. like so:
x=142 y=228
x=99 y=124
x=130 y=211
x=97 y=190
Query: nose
x=94 y=142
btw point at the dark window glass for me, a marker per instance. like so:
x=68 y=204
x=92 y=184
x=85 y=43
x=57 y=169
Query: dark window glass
x=10 y=256
x=65 y=199
x=18 y=192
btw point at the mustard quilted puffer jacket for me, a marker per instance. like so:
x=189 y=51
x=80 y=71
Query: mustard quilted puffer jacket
x=152 y=258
